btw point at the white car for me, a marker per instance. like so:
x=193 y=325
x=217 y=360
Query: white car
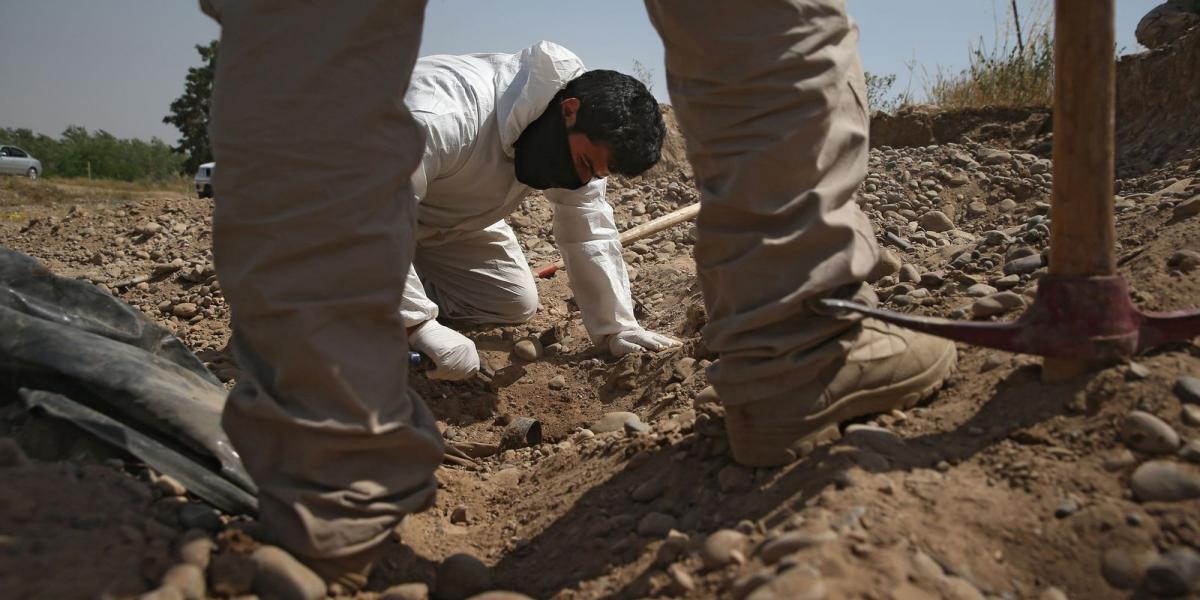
x=204 y=180
x=15 y=161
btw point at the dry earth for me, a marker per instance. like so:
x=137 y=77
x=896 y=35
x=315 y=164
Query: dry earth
x=1001 y=487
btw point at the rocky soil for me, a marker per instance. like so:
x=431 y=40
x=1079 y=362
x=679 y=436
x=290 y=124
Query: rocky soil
x=1001 y=487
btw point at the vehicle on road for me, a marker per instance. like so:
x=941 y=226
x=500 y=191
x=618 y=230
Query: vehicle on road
x=15 y=161
x=204 y=180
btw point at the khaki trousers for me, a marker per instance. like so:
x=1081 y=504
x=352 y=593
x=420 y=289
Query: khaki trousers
x=313 y=235
x=313 y=230
x=771 y=97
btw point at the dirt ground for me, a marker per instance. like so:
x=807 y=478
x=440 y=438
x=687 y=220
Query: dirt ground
x=1002 y=486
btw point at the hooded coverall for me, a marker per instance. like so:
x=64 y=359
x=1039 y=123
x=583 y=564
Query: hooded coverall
x=315 y=225
x=472 y=109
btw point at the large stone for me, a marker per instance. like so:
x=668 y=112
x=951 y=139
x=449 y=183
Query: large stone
x=656 y=525
x=529 y=349
x=1023 y=265
x=614 y=421
x=649 y=490
x=1187 y=389
x=798 y=583
x=793 y=541
x=1187 y=209
x=1147 y=433
x=875 y=438
x=981 y=290
x=1123 y=568
x=936 y=220
x=996 y=304
x=406 y=591
x=990 y=156
x=1184 y=260
x=723 y=548
x=1162 y=481
x=278 y=574
x=1175 y=572
x=1166 y=23
x=461 y=576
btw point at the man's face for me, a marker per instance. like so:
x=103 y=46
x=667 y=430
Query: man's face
x=590 y=158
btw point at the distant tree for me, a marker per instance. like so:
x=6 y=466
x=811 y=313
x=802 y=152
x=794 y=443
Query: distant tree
x=189 y=112
x=79 y=153
x=643 y=74
x=878 y=89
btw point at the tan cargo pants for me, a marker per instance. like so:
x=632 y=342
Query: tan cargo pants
x=313 y=231
x=771 y=97
x=313 y=235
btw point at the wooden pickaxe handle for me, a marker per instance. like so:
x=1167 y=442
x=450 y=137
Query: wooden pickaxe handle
x=646 y=229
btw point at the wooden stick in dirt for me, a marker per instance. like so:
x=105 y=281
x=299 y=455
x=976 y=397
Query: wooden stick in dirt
x=1082 y=232
x=646 y=229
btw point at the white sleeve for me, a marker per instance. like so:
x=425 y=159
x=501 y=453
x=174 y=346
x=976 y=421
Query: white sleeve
x=588 y=240
x=416 y=307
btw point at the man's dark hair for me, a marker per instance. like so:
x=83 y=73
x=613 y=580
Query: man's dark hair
x=617 y=109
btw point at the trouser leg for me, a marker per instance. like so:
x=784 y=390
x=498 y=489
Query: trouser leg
x=312 y=235
x=770 y=95
x=479 y=277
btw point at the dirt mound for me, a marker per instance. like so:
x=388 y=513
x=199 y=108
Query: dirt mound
x=925 y=125
x=674 y=151
x=1158 y=105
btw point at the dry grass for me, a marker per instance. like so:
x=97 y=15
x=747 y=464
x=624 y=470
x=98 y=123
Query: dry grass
x=19 y=191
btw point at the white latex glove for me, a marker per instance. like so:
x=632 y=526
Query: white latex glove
x=638 y=340
x=452 y=352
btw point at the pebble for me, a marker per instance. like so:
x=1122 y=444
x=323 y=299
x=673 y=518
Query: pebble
x=872 y=437
x=460 y=576
x=188 y=579
x=196 y=548
x=724 y=547
x=656 y=525
x=733 y=478
x=681 y=580
x=1191 y=451
x=649 y=490
x=231 y=574
x=1052 y=593
x=528 y=349
x=1184 y=260
x=169 y=486
x=1147 y=433
x=1066 y=509
x=559 y=382
x=199 y=516
x=614 y=421
x=461 y=514
x=1187 y=208
x=1008 y=281
x=936 y=220
x=1136 y=371
x=1175 y=572
x=1191 y=414
x=1023 y=265
x=933 y=279
x=998 y=303
x=406 y=591
x=636 y=427
x=790 y=542
x=989 y=156
x=1123 y=568
x=185 y=310
x=981 y=290
x=794 y=584
x=165 y=592
x=909 y=274
x=1161 y=481
x=11 y=454
x=279 y=574
x=1187 y=389
x=1119 y=459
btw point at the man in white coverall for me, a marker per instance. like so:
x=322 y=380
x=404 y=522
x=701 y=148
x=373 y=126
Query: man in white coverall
x=497 y=126
x=315 y=226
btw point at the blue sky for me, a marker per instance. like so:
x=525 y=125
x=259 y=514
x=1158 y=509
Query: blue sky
x=117 y=64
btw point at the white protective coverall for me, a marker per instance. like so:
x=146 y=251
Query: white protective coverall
x=472 y=109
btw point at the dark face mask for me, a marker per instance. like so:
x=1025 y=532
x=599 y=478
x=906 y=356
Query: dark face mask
x=543 y=155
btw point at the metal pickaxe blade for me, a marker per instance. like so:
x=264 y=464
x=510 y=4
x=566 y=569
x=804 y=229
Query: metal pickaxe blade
x=1084 y=318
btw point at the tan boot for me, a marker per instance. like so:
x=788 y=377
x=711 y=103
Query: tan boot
x=887 y=368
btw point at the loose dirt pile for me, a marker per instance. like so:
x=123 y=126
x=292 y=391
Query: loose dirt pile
x=1001 y=487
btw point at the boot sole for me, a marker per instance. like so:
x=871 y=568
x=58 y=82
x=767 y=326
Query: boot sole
x=772 y=449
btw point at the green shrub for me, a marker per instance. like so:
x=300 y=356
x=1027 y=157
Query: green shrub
x=80 y=153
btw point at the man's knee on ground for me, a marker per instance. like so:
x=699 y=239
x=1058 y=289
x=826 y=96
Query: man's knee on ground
x=520 y=307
